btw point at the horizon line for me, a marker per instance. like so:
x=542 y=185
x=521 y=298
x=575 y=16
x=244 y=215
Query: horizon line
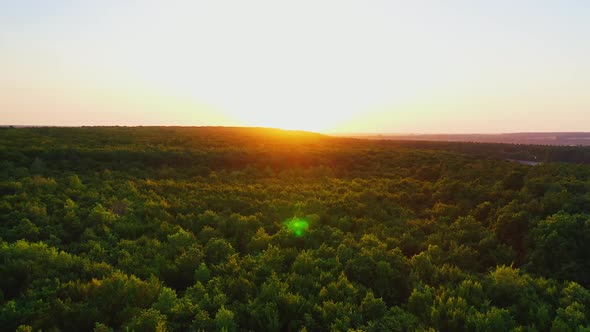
x=329 y=133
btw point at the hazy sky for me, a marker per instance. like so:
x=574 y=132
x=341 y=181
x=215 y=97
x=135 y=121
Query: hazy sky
x=354 y=66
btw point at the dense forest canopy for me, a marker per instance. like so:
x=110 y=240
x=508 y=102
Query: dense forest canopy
x=252 y=229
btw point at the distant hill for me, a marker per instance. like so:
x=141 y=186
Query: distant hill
x=558 y=138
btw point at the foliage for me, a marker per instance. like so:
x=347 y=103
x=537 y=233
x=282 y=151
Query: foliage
x=240 y=229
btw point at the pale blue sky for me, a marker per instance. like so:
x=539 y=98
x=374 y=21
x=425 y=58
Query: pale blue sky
x=362 y=66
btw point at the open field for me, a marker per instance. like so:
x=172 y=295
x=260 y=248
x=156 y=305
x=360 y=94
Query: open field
x=546 y=138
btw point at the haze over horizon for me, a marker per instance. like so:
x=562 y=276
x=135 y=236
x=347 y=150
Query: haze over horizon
x=331 y=66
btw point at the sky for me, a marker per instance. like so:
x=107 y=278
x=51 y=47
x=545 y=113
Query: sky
x=329 y=66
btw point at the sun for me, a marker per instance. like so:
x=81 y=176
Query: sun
x=286 y=117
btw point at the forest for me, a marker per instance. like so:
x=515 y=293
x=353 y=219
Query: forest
x=253 y=229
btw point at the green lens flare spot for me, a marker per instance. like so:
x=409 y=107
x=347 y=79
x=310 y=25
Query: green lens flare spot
x=297 y=226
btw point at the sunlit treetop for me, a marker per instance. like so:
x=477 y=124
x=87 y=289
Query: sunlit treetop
x=297 y=226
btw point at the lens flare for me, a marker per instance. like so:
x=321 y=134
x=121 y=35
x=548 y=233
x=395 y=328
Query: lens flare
x=297 y=226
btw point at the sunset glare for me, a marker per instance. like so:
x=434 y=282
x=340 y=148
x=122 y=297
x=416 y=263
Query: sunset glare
x=328 y=66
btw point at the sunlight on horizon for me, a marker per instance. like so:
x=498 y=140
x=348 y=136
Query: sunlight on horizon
x=331 y=66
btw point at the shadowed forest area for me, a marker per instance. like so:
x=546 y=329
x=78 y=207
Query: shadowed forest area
x=251 y=229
